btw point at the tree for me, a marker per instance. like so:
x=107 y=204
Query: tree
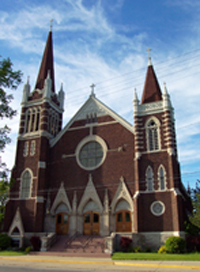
x=9 y=79
x=195 y=196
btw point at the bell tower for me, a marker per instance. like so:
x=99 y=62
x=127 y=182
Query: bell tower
x=40 y=121
x=158 y=197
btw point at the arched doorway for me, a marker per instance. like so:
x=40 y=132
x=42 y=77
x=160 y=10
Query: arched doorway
x=91 y=223
x=123 y=221
x=62 y=223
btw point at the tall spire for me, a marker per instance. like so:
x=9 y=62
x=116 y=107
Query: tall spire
x=151 y=92
x=46 y=64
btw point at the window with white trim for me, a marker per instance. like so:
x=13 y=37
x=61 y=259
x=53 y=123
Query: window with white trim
x=152 y=135
x=162 y=178
x=26 y=185
x=32 y=148
x=26 y=147
x=149 y=179
x=53 y=122
x=32 y=120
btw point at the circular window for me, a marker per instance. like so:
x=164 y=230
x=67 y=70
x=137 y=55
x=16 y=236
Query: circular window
x=91 y=152
x=157 y=208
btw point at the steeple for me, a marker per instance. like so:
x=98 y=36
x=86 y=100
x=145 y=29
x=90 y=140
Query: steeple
x=151 y=92
x=46 y=64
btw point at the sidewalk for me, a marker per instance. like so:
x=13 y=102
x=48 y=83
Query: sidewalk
x=97 y=264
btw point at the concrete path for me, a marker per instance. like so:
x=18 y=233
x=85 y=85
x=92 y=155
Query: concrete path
x=97 y=264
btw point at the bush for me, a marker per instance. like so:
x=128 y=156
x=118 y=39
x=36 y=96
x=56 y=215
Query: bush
x=27 y=250
x=36 y=243
x=162 y=249
x=136 y=249
x=125 y=243
x=175 y=244
x=193 y=243
x=5 y=241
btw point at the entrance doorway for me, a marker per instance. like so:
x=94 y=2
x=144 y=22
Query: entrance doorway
x=91 y=223
x=123 y=221
x=62 y=223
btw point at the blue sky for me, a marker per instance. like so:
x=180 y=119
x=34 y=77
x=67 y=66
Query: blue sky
x=104 y=42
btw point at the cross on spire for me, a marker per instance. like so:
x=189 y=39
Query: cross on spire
x=92 y=89
x=51 y=24
x=149 y=56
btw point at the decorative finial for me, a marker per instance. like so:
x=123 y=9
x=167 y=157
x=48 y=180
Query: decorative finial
x=92 y=89
x=28 y=79
x=149 y=56
x=51 y=24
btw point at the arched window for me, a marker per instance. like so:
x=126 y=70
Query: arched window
x=149 y=179
x=28 y=119
x=32 y=148
x=162 y=178
x=53 y=122
x=32 y=120
x=26 y=185
x=26 y=147
x=37 y=120
x=152 y=135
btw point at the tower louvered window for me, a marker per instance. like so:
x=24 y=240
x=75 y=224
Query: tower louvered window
x=53 y=123
x=32 y=120
x=152 y=134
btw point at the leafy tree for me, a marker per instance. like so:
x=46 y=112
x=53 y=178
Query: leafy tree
x=195 y=196
x=9 y=79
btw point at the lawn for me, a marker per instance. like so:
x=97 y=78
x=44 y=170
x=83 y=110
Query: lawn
x=11 y=253
x=156 y=256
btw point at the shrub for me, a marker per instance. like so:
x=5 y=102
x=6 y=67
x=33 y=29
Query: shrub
x=136 y=249
x=5 y=241
x=27 y=250
x=162 y=249
x=125 y=243
x=175 y=244
x=193 y=243
x=35 y=242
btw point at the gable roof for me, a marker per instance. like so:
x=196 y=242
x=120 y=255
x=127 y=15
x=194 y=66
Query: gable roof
x=151 y=92
x=91 y=106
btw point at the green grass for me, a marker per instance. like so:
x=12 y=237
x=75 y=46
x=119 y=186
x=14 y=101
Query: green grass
x=156 y=256
x=11 y=253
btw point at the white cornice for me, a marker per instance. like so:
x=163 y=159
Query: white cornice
x=40 y=101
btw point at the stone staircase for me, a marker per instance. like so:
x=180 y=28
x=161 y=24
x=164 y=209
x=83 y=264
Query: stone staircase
x=78 y=246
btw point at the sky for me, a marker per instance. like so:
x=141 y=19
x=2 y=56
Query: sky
x=105 y=42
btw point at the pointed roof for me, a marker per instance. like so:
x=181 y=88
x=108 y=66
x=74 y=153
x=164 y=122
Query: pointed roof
x=151 y=92
x=46 y=64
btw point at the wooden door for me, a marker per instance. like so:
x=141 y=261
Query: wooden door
x=62 y=223
x=91 y=223
x=123 y=221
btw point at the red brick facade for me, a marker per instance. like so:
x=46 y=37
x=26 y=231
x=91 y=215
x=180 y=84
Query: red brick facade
x=133 y=157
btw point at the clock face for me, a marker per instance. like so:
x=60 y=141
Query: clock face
x=157 y=208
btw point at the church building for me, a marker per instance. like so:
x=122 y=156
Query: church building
x=98 y=174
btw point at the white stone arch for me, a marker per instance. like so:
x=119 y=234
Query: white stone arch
x=121 y=194
x=61 y=198
x=21 y=180
x=90 y=194
x=17 y=223
x=162 y=183
x=153 y=134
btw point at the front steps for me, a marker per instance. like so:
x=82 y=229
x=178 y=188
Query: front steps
x=77 y=246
